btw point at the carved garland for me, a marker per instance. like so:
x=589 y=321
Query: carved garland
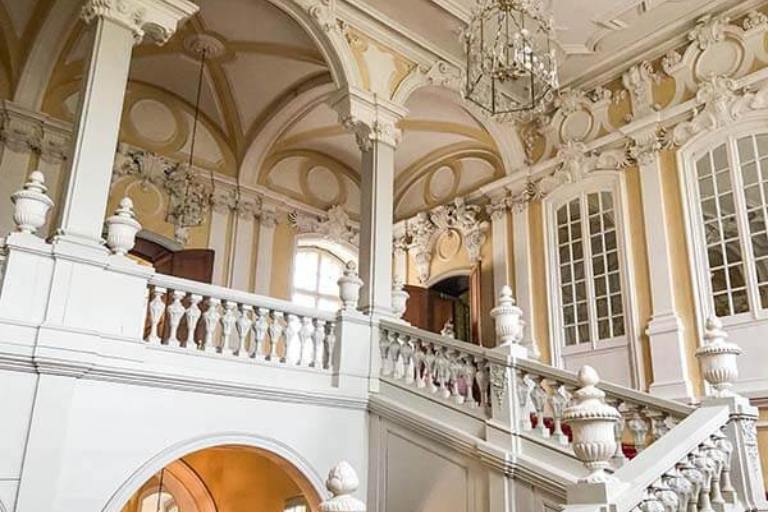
x=335 y=226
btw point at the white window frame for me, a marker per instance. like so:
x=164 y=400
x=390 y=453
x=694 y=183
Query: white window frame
x=597 y=181
x=697 y=253
x=343 y=251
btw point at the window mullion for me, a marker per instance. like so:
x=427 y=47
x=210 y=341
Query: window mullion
x=745 y=234
x=588 y=271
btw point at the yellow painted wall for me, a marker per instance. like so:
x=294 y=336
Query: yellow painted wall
x=539 y=280
x=762 y=443
x=282 y=260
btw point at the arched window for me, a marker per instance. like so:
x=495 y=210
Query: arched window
x=588 y=278
x=729 y=185
x=318 y=265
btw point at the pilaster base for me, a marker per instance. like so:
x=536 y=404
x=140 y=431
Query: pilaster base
x=670 y=367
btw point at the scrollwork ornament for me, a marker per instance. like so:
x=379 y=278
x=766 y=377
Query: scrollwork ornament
x=499 y=379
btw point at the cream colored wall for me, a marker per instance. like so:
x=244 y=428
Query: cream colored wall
x=282 y=260
x=539 y=314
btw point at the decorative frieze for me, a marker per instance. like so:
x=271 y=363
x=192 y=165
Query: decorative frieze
x=158 y=19
x=577 y=162
x=336 y=225
x=24 y=132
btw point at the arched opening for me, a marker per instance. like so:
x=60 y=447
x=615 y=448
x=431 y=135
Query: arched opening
x=228 y=478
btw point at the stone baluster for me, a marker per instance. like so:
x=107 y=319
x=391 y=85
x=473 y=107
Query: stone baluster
x=276 y=329
x=292 y=342
x=706 y=468
x=455 y=370
x=483 y=382
x=407 y=356
x=649 y=503
x=228 y=322
x=618 y=459
x=342 y=483
x=680 y=486
x=638 y=426
x=330 y=344
x=539 y=397
x=591 y=421
x=726 y=448
x=717 y=462
x=211 y=319
x=559 y=401
x=442 y=365
x=430 y=369
x=244 y=323
x=386 y=342
x=260 y=329
x=658 y=420
x=176 y=311
x=318 y=340
x=192 y=317
x=695 y=478
x=469 y=371
x=156 y=313
x=396 y=357
x=525 y=386
x=419 y=360
x=307 y=347
x=665 y=496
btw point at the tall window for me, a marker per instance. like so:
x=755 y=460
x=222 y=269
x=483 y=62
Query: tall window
x=588 y=272
x=317 y=267
x=732 y=187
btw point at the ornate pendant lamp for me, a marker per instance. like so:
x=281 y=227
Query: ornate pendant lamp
x=511 y=61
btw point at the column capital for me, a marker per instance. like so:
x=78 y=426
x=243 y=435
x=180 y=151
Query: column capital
x=646 y=145
x=369 y=117
x=157 y=19
x=498 y=206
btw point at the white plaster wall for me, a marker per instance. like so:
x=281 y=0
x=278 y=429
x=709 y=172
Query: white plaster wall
x=95 y=442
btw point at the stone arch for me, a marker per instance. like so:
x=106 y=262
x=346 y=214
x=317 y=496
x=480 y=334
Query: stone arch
x=307 y=478
x=316 y=17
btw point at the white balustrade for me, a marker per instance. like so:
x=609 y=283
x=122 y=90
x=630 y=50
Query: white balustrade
x=204 y=318
x=439 y=366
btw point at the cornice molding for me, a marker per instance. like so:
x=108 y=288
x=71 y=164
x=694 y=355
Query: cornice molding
x=157 y=19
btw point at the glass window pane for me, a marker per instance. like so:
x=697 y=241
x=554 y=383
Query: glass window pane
x=305 y=270
x=303 y=299
x=330 y=272
x=746 y=150
x=328 y=304
x=722 y=305
x=720 y=158
x=762 y=144
x=740 y=301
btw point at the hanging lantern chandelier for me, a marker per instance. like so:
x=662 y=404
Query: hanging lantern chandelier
x=511 y=61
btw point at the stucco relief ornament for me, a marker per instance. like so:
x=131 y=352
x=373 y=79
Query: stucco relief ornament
x=754 y=20
x=709 y=30
x=592 y=423
x=337 y=226
x=122 y=11
x=499 y=378
x=421 y=231
x=342 y=483
x=324 y=12
x=717 y=358
x=188 y=198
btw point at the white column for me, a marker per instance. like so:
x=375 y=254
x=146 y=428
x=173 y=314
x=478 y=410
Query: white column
x=373 y=121
x=400 y=263
x=242 y=248
x=521 y=239
x=500 y=242
x=118 y=26
x=264 y=247
x=665 y=330
x=220 y=212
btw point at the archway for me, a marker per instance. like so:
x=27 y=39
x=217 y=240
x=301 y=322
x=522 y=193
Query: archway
x=231 y=478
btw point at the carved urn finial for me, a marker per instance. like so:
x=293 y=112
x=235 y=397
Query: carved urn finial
x=717 y=358
x=342 y=482
x=448 y=329
x=591 y=421
x=31 y=204
x=122 y=228
x=349 y=287
x=508 y=319
x=399 y=299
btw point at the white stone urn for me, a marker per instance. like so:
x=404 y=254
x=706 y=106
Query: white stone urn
x=31 y=204
x=717 y=358
x=448 y=329
x=399 y=299
x=349 y=287
x=342 y=483
x=122 y=228
x=592 y=423
x=508 y=319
